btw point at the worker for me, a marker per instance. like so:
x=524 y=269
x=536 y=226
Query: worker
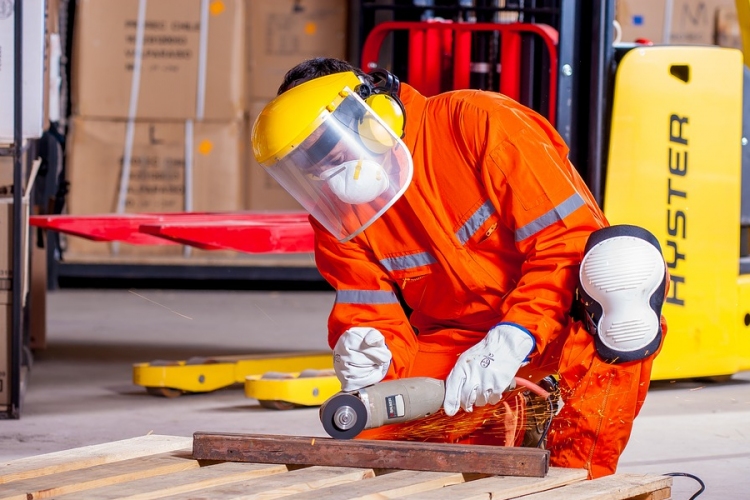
x=456 y=233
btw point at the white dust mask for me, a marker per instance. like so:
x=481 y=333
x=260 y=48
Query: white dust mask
x=357 y=181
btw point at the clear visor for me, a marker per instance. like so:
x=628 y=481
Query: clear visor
x=348 y=171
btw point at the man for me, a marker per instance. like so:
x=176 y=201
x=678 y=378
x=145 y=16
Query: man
x=454 y=230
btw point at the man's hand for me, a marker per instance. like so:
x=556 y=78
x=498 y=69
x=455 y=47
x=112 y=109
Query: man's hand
x=486 y=370
x=360 y=358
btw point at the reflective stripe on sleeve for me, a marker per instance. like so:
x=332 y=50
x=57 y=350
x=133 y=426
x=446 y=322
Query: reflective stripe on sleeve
x=556 y=214
x=476 y=220
x=408 y=261
x=366 y=297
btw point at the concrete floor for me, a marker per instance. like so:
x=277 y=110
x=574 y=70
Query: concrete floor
x=80 y=390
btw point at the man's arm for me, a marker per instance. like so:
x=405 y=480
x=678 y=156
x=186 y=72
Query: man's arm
x=365 y=300
x=543 y=200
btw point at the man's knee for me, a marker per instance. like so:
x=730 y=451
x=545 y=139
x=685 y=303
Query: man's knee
x=623 y=280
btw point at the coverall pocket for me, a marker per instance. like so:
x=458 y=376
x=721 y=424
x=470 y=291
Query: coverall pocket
x=413 y=285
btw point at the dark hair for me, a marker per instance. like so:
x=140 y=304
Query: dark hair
x=315 y=68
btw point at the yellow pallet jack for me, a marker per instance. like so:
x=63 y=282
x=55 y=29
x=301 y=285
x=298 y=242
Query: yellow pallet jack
x=284 y=391
x=283 y=378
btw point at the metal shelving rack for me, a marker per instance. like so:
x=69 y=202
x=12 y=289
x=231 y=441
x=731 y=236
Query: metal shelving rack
x=16 y=149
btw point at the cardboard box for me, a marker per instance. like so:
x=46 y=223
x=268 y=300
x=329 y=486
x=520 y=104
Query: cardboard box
x=178 y=76
x=692 y=22
x=678 y=22
x=6 y=174
x=728 y=28
x=33 y=86
x=53 y=16
x=642 y=19
x=262 y=191
x=157 y=181
x=7 y=273
x=6 y=329
x=283 y=33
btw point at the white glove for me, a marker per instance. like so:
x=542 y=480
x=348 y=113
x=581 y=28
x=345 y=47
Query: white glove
x=486 y=370
x=360 y=358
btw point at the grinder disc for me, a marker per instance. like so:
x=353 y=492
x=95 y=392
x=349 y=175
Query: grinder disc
x=343 y=416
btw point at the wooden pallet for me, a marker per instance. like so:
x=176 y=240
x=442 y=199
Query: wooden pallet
x=162 y=467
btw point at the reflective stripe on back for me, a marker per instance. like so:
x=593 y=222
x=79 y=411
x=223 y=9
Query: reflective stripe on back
x=556 y=214
x=472 y=225
x=408 y=261
x=365 y=297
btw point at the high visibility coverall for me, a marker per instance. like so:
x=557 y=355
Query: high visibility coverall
x=492 y=228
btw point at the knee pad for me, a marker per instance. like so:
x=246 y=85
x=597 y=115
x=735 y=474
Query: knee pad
x=623 y=281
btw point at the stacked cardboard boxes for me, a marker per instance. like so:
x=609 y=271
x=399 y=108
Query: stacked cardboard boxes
x=279 y=35
x=691 y=22
x=158 y=99
x=165 y=93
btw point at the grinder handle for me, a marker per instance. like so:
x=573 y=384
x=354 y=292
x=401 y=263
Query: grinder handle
x=402 y=400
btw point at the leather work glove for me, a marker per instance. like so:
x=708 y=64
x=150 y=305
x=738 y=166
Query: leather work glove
x=486 y=370
x=360 y=358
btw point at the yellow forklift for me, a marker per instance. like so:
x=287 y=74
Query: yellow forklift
x=678 y=161
x=658 y=132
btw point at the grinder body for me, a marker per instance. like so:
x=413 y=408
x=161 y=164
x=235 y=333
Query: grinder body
x=346 y=414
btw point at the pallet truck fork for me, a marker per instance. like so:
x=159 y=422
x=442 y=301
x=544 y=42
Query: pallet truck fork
x=197 y=375
x=285 y=391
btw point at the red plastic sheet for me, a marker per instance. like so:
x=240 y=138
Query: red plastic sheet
x=252 y=232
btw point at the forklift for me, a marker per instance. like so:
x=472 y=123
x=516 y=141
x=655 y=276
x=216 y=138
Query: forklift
x=658 y=132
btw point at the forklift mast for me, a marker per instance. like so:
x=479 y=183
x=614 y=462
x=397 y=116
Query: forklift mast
x=583 y=73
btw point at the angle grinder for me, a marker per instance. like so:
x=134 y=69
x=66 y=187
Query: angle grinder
x=345 y=414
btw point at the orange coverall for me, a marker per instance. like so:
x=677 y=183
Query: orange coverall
x=492 y=228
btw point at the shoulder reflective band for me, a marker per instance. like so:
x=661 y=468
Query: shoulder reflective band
x=556 y=214
x=366 y=297
x=408 y=261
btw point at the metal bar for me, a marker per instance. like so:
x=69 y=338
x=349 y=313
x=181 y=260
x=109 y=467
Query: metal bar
x=189 y=272
x=461 y=60
x=567 y=96
x=510 y=65
x=355 y=32
x=437 y=9
x=439 y=457
x=546 y=33
x=16 y=343
x=602 y=57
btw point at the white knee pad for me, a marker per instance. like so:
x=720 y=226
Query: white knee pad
x=623 y=280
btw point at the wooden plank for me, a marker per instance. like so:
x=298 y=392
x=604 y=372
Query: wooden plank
x=436 y=457
x=662 y=494
x=89 y=456
x=182 y=482
x=53 y=485
x=392 y=485
x=308 y=480
x=615 y=487
x=504 y=487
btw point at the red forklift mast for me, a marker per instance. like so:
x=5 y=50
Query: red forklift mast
x=570 y=84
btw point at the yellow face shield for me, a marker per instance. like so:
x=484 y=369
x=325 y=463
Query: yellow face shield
x=347 y=168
